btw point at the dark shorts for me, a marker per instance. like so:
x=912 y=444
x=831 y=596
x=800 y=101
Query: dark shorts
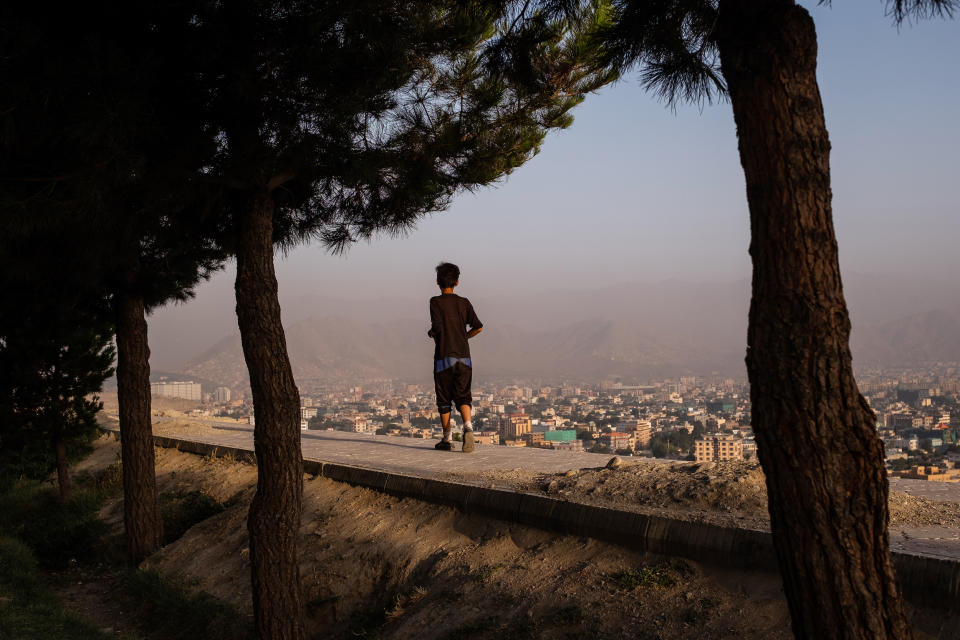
x=453 y=387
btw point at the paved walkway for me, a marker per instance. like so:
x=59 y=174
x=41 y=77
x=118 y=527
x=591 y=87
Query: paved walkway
x=413 y=456
x=938 y=491
x=417 y=457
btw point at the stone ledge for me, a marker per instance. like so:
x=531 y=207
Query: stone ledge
x=926 y=580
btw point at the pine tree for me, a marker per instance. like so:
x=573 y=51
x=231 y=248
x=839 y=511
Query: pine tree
x=816 y=435
x=102 y=144
x=338 y=121
x=55 y=353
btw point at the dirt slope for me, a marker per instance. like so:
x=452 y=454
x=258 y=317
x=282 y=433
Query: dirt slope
x=377 y=566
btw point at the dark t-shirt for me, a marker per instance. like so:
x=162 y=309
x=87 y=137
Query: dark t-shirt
x=449 y=316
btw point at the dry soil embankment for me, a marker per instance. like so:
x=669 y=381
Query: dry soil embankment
x=386 y=567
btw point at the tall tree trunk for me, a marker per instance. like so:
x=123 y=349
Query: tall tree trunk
x=274 y=519
x=815 y=433
x=63 y=473
x=141 y=512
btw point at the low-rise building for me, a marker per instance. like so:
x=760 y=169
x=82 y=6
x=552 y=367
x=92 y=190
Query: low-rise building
x=575 y=445
x=561 y=435
x=616 y=440
x=719 y=446
x=486 y=437
x=183 y=390
x=929 y=472
x=514 y=425
x=639 y=429
x=533 y=439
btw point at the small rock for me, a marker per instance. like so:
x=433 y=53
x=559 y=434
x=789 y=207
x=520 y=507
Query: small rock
x=552 y=486
x=688 y=595
x=571 y=473
x=615 y=463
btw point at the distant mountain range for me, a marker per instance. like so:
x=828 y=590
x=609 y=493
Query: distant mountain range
x=636 y=331
x=330 y=349
x=921 y=337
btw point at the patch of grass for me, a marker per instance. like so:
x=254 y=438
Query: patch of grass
x=172 y=612
x=27 y=610
x=57 y=533
x=18 y=567
x=181 y=510
x=700 y=612
x=681 y=568
x=106 y=483
x=483 y=574
x=109 y=481
x=648 y=577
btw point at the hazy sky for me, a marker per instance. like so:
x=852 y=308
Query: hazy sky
x=633 y=192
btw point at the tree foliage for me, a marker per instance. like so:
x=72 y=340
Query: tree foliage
x=55 y=353
x=672 y=43
x=103 y=136
x=360 y=117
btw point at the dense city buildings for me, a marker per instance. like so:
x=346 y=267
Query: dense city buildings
x=686 y=418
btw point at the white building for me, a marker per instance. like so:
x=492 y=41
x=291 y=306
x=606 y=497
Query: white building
x=184 y=390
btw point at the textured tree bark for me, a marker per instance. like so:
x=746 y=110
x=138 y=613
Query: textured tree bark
x=141 y=512
x=63 y=473
x=274 y=518
x=816 y=435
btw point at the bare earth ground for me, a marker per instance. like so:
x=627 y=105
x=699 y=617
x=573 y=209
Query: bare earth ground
x=378 y=566
x=730 y=492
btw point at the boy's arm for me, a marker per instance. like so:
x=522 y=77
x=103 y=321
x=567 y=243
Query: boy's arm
x=434 y=330
x=473 y=321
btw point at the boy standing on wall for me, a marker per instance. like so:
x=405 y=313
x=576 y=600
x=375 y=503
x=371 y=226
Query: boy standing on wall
x=450 y=315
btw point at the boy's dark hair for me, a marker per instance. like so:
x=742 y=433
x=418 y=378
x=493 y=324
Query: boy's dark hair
x=448 y=274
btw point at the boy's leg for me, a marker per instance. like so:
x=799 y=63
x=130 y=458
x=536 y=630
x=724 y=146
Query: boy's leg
x=442 y=385
x=465 y=414
x=446 y=443
x=445 y=423
x=468 y=442
x=461 y=394
x=464 y=399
